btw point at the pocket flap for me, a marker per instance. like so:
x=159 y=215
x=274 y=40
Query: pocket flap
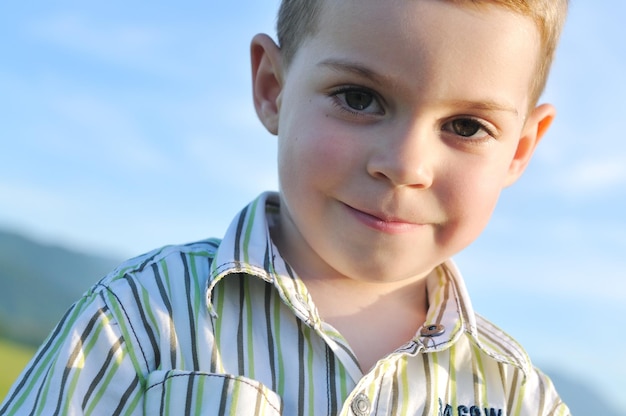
x=176 y=392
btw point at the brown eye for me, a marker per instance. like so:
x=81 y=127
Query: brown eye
x=465 y=127
x=358 y=100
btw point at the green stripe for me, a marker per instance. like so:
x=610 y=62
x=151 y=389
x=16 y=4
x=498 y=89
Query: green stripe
x=248 y=233
x=311 y=381
x=234 y=399
x=139 y=394
x=50 y=378
x=80 y=360
x=198 y=291
x=166 y=274
x=434 y=358
x=44 y=395
x=128 y=337
x=51 y=354
x=249 y=328
x=173 y=343
x=168 y=395
x=519 y=393
x=453 y=377
x=199 y=397
x=111 y=371
x=478 y=360
x=405 y=385
x=219 y=295
x=279 y=347
x=145 y=298
x=343 y=381
x=429 y=394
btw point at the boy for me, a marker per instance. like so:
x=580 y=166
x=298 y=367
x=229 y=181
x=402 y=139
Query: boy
x=399 y=122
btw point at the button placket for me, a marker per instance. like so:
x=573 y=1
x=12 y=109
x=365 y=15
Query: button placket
x=432 y=330
x=300 y=299
x=302 y=306
x=361 y=405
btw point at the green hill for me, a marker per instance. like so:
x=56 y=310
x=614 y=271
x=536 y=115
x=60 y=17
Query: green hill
x=38 y=283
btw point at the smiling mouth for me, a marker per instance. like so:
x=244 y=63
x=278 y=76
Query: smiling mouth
x=383 y=223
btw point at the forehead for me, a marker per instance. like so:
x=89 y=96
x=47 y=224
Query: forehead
x=407 y=16
x=417 y=41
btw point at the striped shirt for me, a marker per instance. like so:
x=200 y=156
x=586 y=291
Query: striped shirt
x=227 y=328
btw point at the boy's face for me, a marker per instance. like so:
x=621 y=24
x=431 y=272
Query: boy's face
x=399 y=124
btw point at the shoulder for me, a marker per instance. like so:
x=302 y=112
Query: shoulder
x=500 y=345
x=162 y=262
x=524 y=381
x=154 y=295
x=160 y=278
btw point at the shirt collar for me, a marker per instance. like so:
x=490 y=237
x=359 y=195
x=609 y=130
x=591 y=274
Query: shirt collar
x=247 y=248
x=450 y=309
x=450 y=312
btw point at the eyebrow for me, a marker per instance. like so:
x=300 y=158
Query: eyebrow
x=485 y=105
x=353 y=68
x=361 y=70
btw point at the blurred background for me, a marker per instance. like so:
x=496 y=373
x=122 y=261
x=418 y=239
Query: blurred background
x=123 y=126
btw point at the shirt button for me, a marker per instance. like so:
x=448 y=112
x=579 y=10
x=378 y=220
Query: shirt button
x=432 y=330
x=361 y=405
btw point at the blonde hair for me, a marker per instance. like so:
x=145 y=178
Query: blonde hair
x=298 y=19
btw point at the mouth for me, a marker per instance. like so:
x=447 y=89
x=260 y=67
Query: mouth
x=382 y=222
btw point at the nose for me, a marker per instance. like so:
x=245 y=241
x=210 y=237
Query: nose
x=404 y=156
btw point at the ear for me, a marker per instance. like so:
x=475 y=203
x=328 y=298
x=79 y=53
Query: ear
x=536 y=126
x=267 y=79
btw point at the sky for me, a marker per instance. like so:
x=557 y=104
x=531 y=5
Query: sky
x=123 y=126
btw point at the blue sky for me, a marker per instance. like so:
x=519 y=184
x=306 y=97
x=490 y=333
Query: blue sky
x=122 y=126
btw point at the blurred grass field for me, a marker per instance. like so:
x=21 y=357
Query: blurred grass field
x=13 y=359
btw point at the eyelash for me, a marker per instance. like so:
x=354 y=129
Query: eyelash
x=489 y=131
x=343 y=106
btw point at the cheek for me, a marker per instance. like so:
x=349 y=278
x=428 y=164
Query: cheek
x=478 y=180
x=316 y=154
x=470 y=198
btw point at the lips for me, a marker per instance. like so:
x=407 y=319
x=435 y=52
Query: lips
x=383 y=222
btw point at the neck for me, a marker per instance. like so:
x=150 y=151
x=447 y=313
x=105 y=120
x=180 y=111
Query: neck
x=335 y=295
x=374 y=318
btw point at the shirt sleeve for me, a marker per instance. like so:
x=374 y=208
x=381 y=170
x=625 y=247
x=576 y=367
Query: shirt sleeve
x=558 y=407
x=86 y=366
x=536 y=395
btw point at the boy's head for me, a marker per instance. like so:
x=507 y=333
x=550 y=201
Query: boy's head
x=298 y=19
x=399 y=122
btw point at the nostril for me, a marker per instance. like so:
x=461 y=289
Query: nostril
x=400 y=176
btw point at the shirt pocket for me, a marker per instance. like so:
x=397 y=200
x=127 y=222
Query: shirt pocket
x=176 y=392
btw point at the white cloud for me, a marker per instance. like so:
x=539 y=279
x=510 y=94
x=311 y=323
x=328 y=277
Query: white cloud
x=243 y=163
x=584 y=153
x=594 y=176
x=573 y=276
x=21 y=199
x=95 y=130
x=98 y=38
